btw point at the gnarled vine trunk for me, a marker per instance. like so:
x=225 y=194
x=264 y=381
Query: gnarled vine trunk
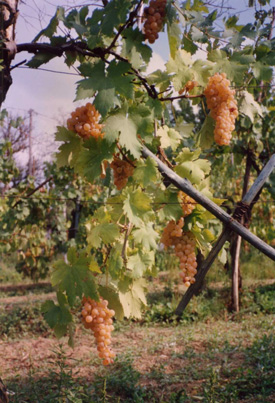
x=8 y=15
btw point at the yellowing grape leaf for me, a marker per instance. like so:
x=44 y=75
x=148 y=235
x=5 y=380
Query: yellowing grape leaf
x=145 y=172
x=134 y=299
x=146 y=235
x=115 y=262
x=140 y=262
x=180 y=67
x=112 y=296
x=103 y=232
x=136 y=205
x=94 y=267
x=249 y=107
x=169 y=137
x=190 y=167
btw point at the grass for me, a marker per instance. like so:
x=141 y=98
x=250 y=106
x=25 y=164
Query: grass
x=254 y=265
x=7 y=272
x=22 y=320
x=226 y=373
x=209 y=355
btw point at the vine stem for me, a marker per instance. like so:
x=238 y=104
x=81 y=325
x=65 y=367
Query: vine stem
x=123 y=252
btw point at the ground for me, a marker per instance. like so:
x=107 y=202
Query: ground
x=211 y=355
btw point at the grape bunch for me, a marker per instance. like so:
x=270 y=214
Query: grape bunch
x=84 y=121
x=223 y=106
x=154 y=16
x=97 y=317
x=172 y=230
x=122 y=170
x=184 y=245
x=187 y=203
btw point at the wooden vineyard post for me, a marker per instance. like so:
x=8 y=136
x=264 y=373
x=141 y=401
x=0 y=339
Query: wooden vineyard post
x=231 y=224
x=225 y=235
x=236 y=242
x=184 y=185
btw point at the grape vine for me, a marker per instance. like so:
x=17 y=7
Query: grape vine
x=132 y=209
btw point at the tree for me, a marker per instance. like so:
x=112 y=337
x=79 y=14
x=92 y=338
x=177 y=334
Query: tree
x=104 y=141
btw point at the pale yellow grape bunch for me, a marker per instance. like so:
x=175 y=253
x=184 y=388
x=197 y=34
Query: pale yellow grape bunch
x=184 y=244
x=84 y=121
x=98 y=317
x=171 y=231
x=187 y=203
x=122 y=170
x=223 y=106
x=185 y=248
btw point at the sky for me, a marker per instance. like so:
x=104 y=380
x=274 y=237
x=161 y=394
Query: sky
x=50 y=94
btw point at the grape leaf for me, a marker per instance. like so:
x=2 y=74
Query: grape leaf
x=160 y=79
x=91 y=157
x=145 y=172
x=115 y=13
x=172 y=209
x=68 y=152
x=188 y=166
x=181 y=67
x=140 y=262
x=262 y=71
x=103 y=232
x=122 y=126
x=58 y=317
x=106 y=98
x=189 y=45
x=169 y=137
x=115 y=262
x=191 y=170
x=85 y=89
x=202 y=70
x=249 y=107
x=206 y=133
x=136 y=205
x=94 y=267
x=235 y=72
x=121 y=81
x=133 y=300
x=53 y=24
x=74 y=278
x=39 y=59
x=146 y=235
x=102 y=83
x=112 y=297
x=174 y=37
x=134 y=49
x=142 y=117
x=185 y=129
